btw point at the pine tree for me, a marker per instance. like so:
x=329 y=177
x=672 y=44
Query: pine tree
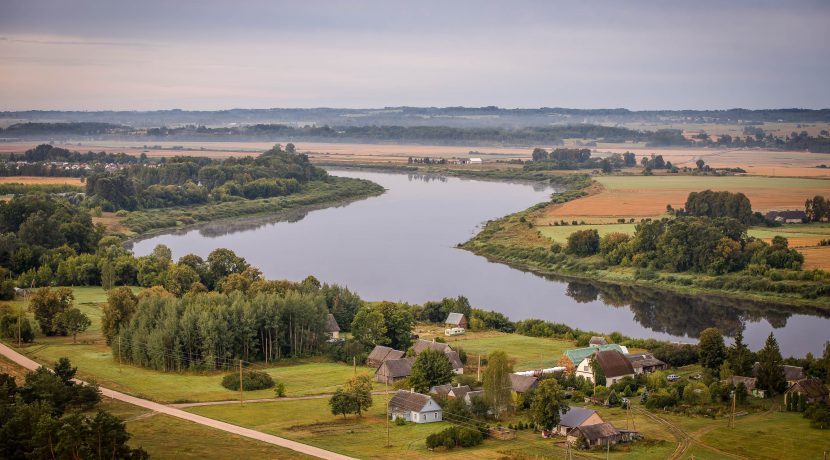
x=771 y=369
x=739 y=359
x=712 y=350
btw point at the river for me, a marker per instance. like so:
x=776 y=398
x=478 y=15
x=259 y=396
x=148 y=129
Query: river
x=400 y=246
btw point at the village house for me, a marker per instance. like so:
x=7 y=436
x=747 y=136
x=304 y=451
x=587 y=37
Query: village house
x=392 y=370
x=380 y=354
x=455 y=360
x=332 y=329
x=750 y=385
x=792 y=374
x=576 y=417
x=813 y=389
x=788 y=217
x=414 y=407
x=459 y=392
x=577 y=355
x=468 y=398
x=441 y=390
x=645 y=363
x=521 y=384
x=613 y=363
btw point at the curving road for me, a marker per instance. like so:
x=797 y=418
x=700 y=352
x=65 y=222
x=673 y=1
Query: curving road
x=178 y=413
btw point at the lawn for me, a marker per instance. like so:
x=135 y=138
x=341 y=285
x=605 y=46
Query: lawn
x=528 y=352
x=311 y=422
x=560 y=234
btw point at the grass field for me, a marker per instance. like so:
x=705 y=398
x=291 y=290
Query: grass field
x=526 y=352
x=32 y=180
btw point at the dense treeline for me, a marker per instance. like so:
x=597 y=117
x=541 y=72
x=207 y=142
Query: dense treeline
x=46 y=152
x=817 y=209
x=44 y=418
x=188 y=180
x=719 y=204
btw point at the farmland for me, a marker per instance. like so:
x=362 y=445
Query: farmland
x=40 y=180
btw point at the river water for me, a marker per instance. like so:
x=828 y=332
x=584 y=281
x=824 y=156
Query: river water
x=400 y=246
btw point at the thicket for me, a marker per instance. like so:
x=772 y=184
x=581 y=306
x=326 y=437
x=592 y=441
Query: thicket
x=454 y=437
x=251 y=380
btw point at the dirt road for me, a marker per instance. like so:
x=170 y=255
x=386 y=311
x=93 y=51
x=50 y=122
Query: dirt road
x=178 y=413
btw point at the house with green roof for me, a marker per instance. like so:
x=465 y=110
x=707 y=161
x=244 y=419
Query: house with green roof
x=577 y=355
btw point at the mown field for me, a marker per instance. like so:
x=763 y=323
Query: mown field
x=38 y=180
x=647 y=196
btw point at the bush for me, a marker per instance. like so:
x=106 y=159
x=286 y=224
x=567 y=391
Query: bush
x=400 y=422
x=251 y=380
x=455 y=437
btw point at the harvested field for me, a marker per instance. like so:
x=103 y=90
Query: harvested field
x=111 y=222
x=33 y=180
x=816 y=257
x=647 y=196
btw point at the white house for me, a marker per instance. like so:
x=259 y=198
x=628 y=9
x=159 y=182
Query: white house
x=475 y=161
x=614 y=365
x=414 y=407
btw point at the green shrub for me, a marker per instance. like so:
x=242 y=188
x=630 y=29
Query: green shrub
x=251 y=380
x=455 y=437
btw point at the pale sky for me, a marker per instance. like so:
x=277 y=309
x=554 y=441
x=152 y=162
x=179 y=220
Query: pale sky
x=149 y=54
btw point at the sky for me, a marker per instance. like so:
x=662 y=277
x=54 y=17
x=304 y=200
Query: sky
x=208 y=55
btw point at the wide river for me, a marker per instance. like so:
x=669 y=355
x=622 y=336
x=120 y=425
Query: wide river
x=400 y=246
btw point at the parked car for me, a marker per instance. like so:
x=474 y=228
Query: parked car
x=673 y=377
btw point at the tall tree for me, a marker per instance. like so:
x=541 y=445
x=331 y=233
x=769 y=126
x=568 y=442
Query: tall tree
x=548 y=404
x=368 y=327
x=359 y=388
x=120 y=306
x=739 y=355
x=771 y=376
x=496 y=380
x=74 y=321
x=431 y=368
x=48 y=304
x=712 y=350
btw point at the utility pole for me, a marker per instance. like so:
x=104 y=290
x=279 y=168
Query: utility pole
x=732 y=416
x=241 y=398
x=607 y=449
x=354 y=365
x=478 y=373
x=119 y=350
x=387 y=411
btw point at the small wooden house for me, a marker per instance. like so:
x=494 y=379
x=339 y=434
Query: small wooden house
x=597 y=341
x=332 y=328
x=393 y=370
x=645 y=363
x=380 y=354
x=420 y=345
x=414 y=407
x=455 y=362
x=599 y=435
x=750 y=385
x=458 y=392
x=456 y=320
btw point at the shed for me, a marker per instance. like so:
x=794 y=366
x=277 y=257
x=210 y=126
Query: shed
x=645 y=363
x=468 y=398
x=393 y=370
x=455 y=361
x=414 y=407
x=459 y=392
x=332 y=328
x=597 y=340
x=599 y=434
x=380 y=354
x=441 y=390
x=750 y=385
x=456 y=320
x=813 y=389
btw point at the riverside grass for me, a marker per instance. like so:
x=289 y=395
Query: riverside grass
x=332 y=191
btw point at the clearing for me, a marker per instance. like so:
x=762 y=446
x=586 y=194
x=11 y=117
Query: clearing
x=40 y=180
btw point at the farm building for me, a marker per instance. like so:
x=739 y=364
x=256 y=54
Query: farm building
x=599 y=435
x=380 y=354
x=456 y=320
x=576 y=417
x=597 y=341
x=332 y=328
x=749 y=383
x=577 y=355
x=813 y=389
x=475 y=161
x=393 y=370
x=613 y=363
x=414 y=407
x=792 y=374
x=789 y=216
x=645 y=363
x=468 y=398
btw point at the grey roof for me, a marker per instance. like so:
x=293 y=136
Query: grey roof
x=473 y=394
x=598 y=431
x=793 y=373
x=749 y=382
x=396 y=368
x=441 y=390
x=454 y=319
x=331 y=324
x=421 y=345
x=597 y=340
x=522 y=383
x=814 y=388
x=460 y=391
x=575 y=416
x=381 y=353
x=788 y=214
x=455 y=360
x=643 y=360
x=408 y=401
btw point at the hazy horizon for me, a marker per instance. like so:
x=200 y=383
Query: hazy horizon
x=95 y=55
